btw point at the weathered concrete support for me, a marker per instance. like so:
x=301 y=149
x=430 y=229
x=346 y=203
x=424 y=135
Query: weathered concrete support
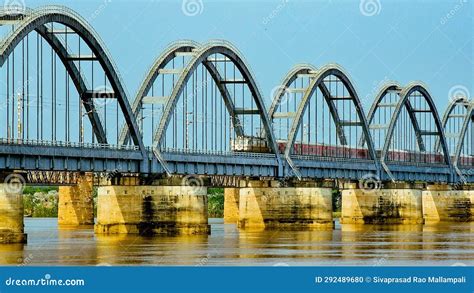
x=441 y=204
x=401 y=205
x=76 y=204
x=231 y=205
x=11 y=215
x=148 y=210
x=265 y=206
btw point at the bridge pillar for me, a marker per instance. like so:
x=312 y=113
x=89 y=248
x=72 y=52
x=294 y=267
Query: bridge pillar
x=11 y=215
x=396 y=204
x=231 y=205
x=151 y=210
x=265 y=205
x=442 y=204
x=76 y=203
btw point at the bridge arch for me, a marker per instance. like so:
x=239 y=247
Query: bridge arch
x=417 y=101
x=329 y=74
x=457 y=121
x=39 y=20
x=166 y=57
x=283 y=91
x=159 y=68
x=382 y=102
x=203 y=56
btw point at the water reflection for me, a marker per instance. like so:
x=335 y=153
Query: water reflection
x=138 y=250
x=290 y=245
x=448 y=241
x=380 y=243
x=73 y=246
x=434 y=244
x=11 y=254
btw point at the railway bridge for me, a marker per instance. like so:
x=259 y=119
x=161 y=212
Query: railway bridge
x=199 y=119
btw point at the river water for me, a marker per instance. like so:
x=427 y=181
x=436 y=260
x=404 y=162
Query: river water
x=447 y=244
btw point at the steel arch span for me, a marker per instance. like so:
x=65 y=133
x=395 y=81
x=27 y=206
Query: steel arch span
x=42 y=22
x=284 y=90
x=332 y=86
x=414 y=146
x=384 y=105
x=176 y=50
x=234 y=86
x=457 y=123
x=199 y=111
x=383 y=100
x=173 y=51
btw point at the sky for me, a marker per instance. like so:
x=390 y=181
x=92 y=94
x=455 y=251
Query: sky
x=374 y=40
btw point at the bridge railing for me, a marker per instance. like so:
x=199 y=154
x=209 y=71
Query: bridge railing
x=32 y=142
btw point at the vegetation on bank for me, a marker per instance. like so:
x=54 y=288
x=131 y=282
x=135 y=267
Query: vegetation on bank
x=40 y=202
x=336 y=203
x=215 y=199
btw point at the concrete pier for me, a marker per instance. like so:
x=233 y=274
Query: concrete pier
x=266 y=206
x=149 y=210
x=394 y=205
x=76 y=204
x=11 y=215
x=231 y=205
x=442 y=204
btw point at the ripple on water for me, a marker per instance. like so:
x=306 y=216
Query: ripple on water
x=446 y=244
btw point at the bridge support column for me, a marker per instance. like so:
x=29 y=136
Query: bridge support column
x=11 y=215
x=151 y=210
x=441 y=204
x=264 y=205
x=397 y=204
x=76 y=203
x=231 y=205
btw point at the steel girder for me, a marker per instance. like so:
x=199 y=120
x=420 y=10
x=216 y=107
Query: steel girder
x=404 y=97
x=291 y=76
x=226 y=49
x=468 y=118
x=318 y=79
x=61 y=158
x=36 y=20
x=385 y=89
x=152 y=74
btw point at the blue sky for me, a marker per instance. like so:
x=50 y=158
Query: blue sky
x=373 y=40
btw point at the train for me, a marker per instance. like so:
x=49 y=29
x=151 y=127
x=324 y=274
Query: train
x=259 y=145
